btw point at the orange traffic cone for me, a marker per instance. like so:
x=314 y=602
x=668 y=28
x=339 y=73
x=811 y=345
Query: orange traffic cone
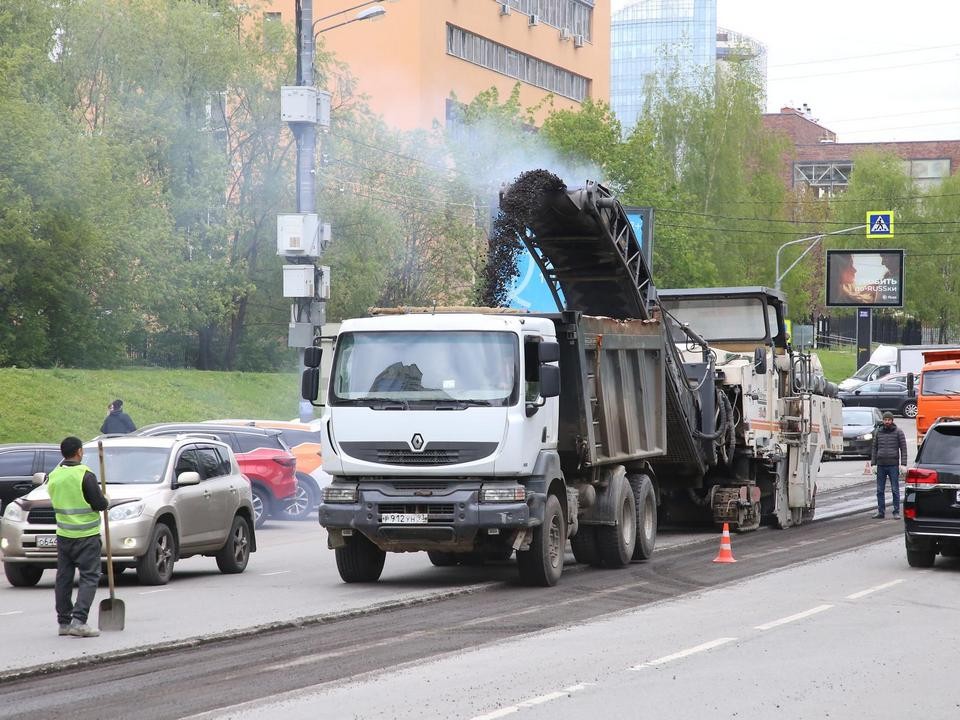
x=726 y=552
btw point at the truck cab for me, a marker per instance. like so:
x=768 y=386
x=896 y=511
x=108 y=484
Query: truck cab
x=938 y=394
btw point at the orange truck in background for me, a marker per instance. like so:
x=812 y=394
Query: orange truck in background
x=939 y=389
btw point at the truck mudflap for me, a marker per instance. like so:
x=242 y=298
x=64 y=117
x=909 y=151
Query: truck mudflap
x=450 y=521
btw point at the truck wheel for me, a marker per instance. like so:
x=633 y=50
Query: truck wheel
x=235 y=553
x=909 y=409
x=584 y=546
x=616 y=543
x=442 y=559
x=22 y=575
x=645 y=501
x=542 y=564
x=360 y=561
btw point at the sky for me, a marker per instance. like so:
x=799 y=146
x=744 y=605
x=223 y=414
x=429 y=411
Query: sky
x=870 y=70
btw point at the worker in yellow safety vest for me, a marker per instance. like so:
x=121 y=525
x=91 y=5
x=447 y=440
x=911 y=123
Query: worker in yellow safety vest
x=77 y=502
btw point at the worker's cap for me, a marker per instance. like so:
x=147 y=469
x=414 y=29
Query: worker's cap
x=888 y=414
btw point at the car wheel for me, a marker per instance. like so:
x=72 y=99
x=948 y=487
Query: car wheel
x=299 y=506
x=156 y=565
x=22 y=575
x=909 y=409
x=235 y=553
x=261 y=506
x=442 y=559
x=920 y=558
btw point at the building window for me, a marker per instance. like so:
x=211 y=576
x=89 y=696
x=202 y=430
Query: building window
x=573 y=15
x=272 y=32
x=927 y=174
x=512 y=63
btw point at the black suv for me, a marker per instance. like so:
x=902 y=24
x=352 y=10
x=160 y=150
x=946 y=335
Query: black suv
x=18 y=463
x=931 y=502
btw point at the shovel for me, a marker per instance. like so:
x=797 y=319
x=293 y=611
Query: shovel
x=112 y=610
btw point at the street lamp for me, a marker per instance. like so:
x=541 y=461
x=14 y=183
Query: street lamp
x=371 y=13
x=813 y=240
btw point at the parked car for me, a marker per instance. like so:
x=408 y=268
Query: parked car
x=892 y=396
x=859 y=424
x=304 y=441
x=18 y=463
x=263 y=457
x=931 y=500
x=170 y=498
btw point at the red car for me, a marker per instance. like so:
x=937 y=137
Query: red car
x=262 y=455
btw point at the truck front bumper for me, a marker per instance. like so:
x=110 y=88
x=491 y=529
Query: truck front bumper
x=448 y=521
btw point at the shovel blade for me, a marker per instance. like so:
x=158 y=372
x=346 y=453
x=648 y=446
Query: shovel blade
x=112 y=614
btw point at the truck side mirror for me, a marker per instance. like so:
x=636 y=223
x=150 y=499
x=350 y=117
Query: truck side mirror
x=310 y=383
x=311 y=356
x=548 y=351
x=760 y=361
x=549 y=381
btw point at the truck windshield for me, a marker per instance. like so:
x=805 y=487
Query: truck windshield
x=426 y=368
x=721 y=319
x=866 y=372
x=941 y=382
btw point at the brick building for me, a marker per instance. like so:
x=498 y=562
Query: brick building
x=816 y=160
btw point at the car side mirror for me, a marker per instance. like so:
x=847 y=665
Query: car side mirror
x=38 y=478
x=188 y=478
x=856 y=392
x=760 y=361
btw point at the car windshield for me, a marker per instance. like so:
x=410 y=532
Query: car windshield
x=434 y=367
x=941 y=382
x=128 y=465
x=300 y=437
x=941 y=446
x=854 y=416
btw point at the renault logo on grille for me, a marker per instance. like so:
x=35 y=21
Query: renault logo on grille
x=416 y=442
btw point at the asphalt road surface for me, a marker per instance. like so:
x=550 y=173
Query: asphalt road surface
x=308 y=669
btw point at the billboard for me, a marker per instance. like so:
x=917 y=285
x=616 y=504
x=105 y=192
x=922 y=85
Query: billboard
x=868 y=278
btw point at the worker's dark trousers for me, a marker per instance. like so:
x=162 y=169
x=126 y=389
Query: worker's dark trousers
x=74 y=554
x=883 y=473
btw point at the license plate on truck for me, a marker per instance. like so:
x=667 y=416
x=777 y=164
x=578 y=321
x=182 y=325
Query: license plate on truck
x=46 y=541
x=403 y=519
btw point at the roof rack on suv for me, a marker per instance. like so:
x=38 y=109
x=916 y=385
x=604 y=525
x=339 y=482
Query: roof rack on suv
x=197 y=434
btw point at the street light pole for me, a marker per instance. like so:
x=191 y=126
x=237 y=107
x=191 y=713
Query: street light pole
x=813 y=240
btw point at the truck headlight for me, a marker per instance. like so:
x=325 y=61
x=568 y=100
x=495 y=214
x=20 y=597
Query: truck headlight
x=503 y=493
x=127 y=511
x=867 y=436
x=14 y=512
x=340 y=494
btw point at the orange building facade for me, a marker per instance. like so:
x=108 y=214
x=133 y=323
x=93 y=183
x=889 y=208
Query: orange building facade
x=409 y=61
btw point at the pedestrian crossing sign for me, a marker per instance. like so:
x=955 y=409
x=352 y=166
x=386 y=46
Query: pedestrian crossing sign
x=880 y=224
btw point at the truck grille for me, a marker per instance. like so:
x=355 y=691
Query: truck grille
x=438 y=513
x=42 y=516
x=433 y=454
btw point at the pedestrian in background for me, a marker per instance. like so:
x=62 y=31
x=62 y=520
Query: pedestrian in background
x=117 y=421
x=77 y=502
x=890 y=458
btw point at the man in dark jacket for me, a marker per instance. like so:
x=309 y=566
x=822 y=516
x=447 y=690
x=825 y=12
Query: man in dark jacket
x=117 y=421
x=889 y=456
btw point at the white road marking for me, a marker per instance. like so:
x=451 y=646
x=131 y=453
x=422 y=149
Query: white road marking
x=877 y=588
x=792 y=618
x=154 y=592
x=532 y=702
x=684 y=653
x=12 y=612
x=278 y=572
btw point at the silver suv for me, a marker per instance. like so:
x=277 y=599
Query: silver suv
x=170 y=498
